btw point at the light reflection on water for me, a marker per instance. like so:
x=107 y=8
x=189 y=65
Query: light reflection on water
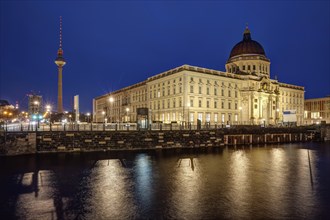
x=244 y=183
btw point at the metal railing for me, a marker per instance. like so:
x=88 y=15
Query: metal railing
x=109 y=127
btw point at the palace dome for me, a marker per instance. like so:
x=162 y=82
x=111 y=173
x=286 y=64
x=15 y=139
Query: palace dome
x=247 y=46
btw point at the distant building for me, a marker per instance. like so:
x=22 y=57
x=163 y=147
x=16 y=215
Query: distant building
x=317 y=110
x=35 y=104
x=4 y=103
x=244 y=94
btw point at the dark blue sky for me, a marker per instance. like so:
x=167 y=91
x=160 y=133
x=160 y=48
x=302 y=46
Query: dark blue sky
x=109 y=45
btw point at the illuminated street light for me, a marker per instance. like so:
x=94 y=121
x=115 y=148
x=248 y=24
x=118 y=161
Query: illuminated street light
x=277 y=115
x=48 y=109
x=188 y=105
x=103 y=113
x=111 y=100
x=127 y=110
x=88 y=116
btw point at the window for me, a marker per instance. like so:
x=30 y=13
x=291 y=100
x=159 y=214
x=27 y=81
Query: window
x=200 y=116
x=254 y=67
x=229 y=93
x=163 y=104
x=191 y=89
x=243 y=67
x=168 y=103
x=158 y=93
x=207 y=91
x=223 y=118
x=173 y=116
x=200 y=103
x=168 y=91
x=235 y=94
x=255 y=106
x=174 y=103
x=255 y=100
x=174 y=90
x=207 y=104
x=191 y=117
x=215 y=91
x=191 y=103
x=235 y=105
x=180 y=102
x=158 y=105
x=215 y=104
x=191 y=79
x=180 y=89
x=222 y=92
x=200 y=90
x=207 y=117
x=215 y=118
x=229 y=105
x=249 y=68
x=222 y=104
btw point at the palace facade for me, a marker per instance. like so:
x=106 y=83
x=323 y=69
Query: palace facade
x=317 y=110
x=243 y=94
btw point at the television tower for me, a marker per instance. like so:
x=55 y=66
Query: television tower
x=60 y=62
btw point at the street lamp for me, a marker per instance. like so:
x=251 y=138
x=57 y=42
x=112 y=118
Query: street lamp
x=188 y=105
x=48 y=110
x=88 y=117
x=111 y=101
x=277 y=115
x=127 y=110
x=103 y=113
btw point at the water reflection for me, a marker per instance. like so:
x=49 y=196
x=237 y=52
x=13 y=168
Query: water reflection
x=287 y=182
x=187 y=183
x=239 y=183
x=108 y=192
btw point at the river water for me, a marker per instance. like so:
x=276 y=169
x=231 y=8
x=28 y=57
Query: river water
x=261 y=182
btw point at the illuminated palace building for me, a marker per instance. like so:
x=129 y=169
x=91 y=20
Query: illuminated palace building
x=244 y=94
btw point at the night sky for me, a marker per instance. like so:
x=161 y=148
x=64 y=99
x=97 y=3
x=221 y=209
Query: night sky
x=110 y=45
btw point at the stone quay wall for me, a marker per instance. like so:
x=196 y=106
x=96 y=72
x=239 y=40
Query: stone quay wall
x=12 y=143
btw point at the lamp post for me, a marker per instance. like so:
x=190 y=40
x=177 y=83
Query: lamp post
x=48 y=110
x=88 y=117
x=103 y=113
x=127 y=110
x=188 y=115
x=277 y=115
x=111 y=101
